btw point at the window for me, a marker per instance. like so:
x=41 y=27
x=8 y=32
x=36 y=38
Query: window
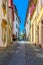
x=16 y=18
x=42 y=2
x=42 y=21
x=16 y=34
x=27 y=22
x=16 y=26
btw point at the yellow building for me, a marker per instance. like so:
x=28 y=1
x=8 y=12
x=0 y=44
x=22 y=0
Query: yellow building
x=37 y=24
x=4 y=24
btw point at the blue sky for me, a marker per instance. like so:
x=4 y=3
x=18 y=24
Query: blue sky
x=22 y=9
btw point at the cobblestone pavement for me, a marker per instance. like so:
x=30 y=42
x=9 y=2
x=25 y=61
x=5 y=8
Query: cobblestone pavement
x=19 y=57
x=27 y=54
x=21 y=54
x=6 y=54
x=34 y=55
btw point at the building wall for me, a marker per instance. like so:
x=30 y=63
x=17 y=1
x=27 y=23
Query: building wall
x=10 y=22
x=3 y=15
x=36 y=22
x=27 y=27
x=33 y=26
x=27 y=30
x=36 y=28
x=42 y=32
x=1 y=22
x=4 y=24
x=16 y=25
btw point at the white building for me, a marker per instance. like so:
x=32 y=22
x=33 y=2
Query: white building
x=16 y=24
x=27 y=26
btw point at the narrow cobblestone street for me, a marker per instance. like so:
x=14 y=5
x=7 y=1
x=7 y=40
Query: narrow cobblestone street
x=6 y=54
x=21 y=32
x=27 y=54
x=22 y=54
